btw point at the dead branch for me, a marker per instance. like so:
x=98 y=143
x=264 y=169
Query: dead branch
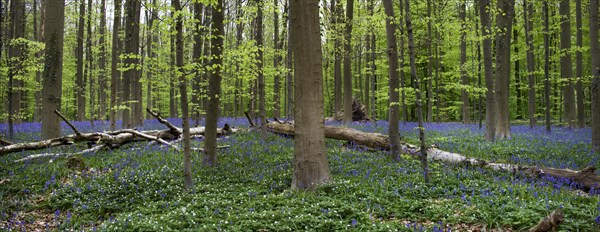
x=55 y=155
x=68 y=122
x=550 y=222
x=155 y=138
x=250 y=119
x=175 y=130
x=4 y=142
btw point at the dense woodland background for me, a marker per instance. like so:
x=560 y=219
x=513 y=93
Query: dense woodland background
x=119 y=57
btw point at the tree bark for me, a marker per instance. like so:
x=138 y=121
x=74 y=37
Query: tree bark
x=595 y=89
x=501 y=87
x=310 y=158
x=338 y=54
x=259 y=66
x=579 y=67
x=17 y=55
x=517 y=75
x=430 y=60
x=566 y=67
x=214 y=86
x=115 y=78
x=547 y=66
x=490 y=102
x=528 y=25
x=415 y=79
x=466 y=119
x=276 y=59
x=392 y=49
x=89 y=60
x=347 y=66
x=289 y=65
x=52 y=77
x=79 y=81
x=549 y=223
x=102 y=61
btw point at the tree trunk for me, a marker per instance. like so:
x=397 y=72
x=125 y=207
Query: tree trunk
x=579 y=68
x=528 y=25
x=310 y=158
x=402 y=81
x=566 y=67
x=466 y=119
x=288 y=60
x=102 y=61
x=276 y=60
x=172 y=74
x=79 y=82
x=132 y=19
x=490 y=102
x=504 y=25
x=38 y=73
x=547 y=66
x=517 y=65
x=259 y=66
x=347 y=68
x=413 y=74
x=373 y=79
x=430 y=61
x=52 y=77
x=187 y=156
x=337 y=65
x=115 y=79
x=151 y=40
x=88 y=56
x=16 y=55
x=392 y=49
x=214 y=86
x=137 y=116
x=595 y=89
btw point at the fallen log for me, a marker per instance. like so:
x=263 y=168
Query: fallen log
x=359 y=113
x=4 y=142
x=586 y=178
x=550 y=222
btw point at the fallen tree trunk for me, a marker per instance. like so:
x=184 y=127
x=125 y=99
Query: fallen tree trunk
x=585 y=178
x=549 y=223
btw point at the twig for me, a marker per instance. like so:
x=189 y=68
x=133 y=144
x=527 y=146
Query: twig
x=175 y=130
x=68 y=123
x=250 y=119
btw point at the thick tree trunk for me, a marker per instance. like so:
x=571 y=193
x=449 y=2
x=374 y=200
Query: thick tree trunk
x=79 y=81
x=17 y=55
x=463 y=63
x=490 y=102
x=502 y=80
x=310 y=158
x=214 y=86
x=52 y=78
x=547 y=66
x=115 y=78
x=595 y=89
x=566 y=67
x=579 y=67
x=528 y=25
x=392 y=49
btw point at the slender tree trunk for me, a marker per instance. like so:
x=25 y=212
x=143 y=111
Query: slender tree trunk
x=517 y=70
x=214 y=86
x=52 y=77
x=413 y=74
x=373 y=72
x=16 y=53
x=289 y=80
x=197 y=59
x=259 y=67
x=102 y=61
x=392 y=49
x=276 y=60
x=528 y=25
x=337 y=65
x=130 y=77
x=504 y=25
x=347 y=67
x=595 y=89
x=490 y=102
x=151 y=40
x=90 y=61
x=238 y=40
x=566 y=67
x=172 y=76
x=138 y=113
x=463 y=63
x=579 y=68
x=187 y=157
x=115 y=73
x=477 y=29
x=310 y=159
x=547 y=66
x=38 y=74
x=430 y=62
x=79 y=81
x=402 y=81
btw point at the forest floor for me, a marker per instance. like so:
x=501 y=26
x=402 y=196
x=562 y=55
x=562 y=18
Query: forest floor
x=139 y=187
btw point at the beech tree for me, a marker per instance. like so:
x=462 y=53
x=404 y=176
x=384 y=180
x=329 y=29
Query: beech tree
x=392 y=49
x=310 y=159
x=347 y=69
x=115 y=77
x=490 y=107
x=595 y=52
x=566 y=67
x=503 y=37
x=52 y=77
x=528 y=26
